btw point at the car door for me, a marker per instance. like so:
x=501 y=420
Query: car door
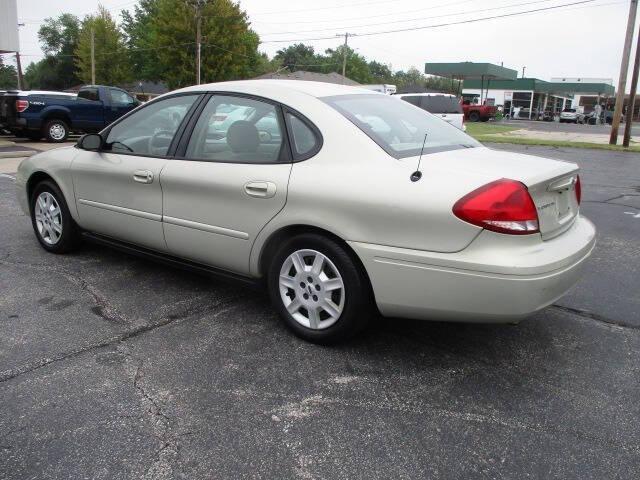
x=117 y=189
x=231 y=181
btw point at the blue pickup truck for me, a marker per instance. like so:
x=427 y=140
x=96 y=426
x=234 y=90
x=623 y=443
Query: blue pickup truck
x=53 y=115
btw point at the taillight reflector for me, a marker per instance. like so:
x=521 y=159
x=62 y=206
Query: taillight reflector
x=503 y=206
x=21 y=105
x=578 y=188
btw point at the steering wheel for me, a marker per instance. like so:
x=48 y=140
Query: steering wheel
x=158 y=147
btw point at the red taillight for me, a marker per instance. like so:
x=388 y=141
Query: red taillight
x=21 y=105
x=503 y=206
x=578 y=188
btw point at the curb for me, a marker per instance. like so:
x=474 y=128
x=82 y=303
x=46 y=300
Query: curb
x=18 y=153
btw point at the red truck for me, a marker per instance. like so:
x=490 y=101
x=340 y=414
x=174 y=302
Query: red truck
x=474 y=112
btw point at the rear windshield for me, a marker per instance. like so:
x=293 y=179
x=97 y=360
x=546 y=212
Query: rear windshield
x=398 y=127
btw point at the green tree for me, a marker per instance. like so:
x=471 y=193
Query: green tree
x=58 y=38
x=380 y=73
x=299 y=57
x=140 y=38
x=229 y=46
x=8 y=76
x=112 y=61
x=357 y=66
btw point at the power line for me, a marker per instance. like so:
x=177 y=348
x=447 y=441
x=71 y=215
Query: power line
x=425 y=27
x=360 y=17
x=416 y=19
x=343 y=5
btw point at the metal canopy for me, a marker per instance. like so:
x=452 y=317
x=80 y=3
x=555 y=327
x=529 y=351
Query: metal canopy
x=470 y=71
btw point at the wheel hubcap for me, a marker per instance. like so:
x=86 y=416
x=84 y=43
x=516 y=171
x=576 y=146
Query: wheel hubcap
x=57 y=131
x=48 y=218
x=312 y=289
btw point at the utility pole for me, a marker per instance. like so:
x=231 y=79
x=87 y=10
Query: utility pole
x=344 y=54
x=93 y=57
x=632 y=96
x=21 y=85
x=624 y=66
x=198 y=41
x=523 y=69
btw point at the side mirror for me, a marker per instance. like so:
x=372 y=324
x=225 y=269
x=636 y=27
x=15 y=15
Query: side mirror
x=90 y=141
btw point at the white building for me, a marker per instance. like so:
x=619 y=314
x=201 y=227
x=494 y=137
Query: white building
x=9 y=26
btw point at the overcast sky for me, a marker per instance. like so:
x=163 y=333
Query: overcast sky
x=581 y=40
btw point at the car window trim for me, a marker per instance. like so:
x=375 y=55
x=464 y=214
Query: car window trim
x=286 y=152
x=174 y=142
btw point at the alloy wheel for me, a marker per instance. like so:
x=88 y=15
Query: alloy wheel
x=48 y=218
x=312 y=289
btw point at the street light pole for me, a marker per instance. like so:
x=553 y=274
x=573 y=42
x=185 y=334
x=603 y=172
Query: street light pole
x=624 y=66
x=93 y=57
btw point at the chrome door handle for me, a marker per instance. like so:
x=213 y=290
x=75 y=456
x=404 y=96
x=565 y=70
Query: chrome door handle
x=143 y=176
x=260 y=189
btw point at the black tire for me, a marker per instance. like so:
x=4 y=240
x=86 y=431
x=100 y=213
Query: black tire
x=69 y=238
x=55 y=131
x=357 y=308
x=474 y=116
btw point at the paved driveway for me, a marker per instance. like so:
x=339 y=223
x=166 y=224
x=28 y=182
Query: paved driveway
x=115 y=367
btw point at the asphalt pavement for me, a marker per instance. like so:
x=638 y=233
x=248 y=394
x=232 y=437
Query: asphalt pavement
x=116 y=367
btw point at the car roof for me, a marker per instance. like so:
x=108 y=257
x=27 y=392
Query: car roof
x=265 y=86
x=430 y=94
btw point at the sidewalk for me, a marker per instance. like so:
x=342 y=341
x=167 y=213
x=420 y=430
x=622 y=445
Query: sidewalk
x=578 y=137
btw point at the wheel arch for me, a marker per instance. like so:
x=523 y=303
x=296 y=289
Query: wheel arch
x=275 y=239
x=57 y=114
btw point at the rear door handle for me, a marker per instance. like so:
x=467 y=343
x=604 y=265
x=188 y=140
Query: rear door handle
x=143 y=176
x=260 y=189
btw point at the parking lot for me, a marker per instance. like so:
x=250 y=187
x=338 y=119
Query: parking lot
x=116 y=367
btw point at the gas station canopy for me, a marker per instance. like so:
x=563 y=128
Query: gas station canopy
x=470 y=71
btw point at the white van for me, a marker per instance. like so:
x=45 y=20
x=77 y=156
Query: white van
x=385 y=88
x=443 y=105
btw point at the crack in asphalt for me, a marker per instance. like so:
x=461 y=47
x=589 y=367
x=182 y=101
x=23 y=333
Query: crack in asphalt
x=594 y=316
x=135 y=332
x=102 y=307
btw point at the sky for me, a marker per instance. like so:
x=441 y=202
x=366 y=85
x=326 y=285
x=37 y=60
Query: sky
x=582 y=40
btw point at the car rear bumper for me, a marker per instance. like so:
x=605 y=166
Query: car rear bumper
x=498 y=278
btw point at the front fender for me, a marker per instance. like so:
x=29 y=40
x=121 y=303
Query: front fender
x=56 y=164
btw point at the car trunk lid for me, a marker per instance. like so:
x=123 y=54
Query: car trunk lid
x=551 y=183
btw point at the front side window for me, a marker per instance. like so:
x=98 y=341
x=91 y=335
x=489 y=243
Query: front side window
x=397 y=127
x=119 y=97
x=236 y=129
x=150 y=130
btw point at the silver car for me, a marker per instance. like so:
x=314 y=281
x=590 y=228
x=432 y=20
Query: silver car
x=338 y=199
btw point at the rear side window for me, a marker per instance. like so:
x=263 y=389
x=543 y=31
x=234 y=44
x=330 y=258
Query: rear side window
x=440 y=104
x=413 y=100
x=236 y=130
x=304 y=141
x=89 y=94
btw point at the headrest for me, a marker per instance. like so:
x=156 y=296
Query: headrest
x=242 y=137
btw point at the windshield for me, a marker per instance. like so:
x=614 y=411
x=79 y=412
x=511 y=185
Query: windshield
x=398 y=127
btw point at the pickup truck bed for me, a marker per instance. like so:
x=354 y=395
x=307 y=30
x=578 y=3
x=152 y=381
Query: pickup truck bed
x=54 y=115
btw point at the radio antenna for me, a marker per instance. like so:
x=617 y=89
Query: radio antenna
x=417 y=175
